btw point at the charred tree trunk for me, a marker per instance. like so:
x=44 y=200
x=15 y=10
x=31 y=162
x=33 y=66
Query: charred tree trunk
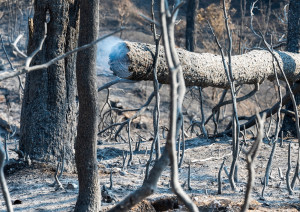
x=135 y=60
x=48 y=117
x=190 y=25
x=86 y=143
x=293 y=42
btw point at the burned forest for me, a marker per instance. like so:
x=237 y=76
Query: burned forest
x=158 y=105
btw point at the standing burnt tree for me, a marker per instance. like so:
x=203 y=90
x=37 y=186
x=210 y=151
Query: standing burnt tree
x=48 y=117
x=190 y=25
x=86 y=142
x=293 y=44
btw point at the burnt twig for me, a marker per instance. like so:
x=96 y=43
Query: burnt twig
x=220 y=178
x=288 y=171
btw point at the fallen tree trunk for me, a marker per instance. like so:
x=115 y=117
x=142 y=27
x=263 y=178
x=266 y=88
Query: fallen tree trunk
x=134 y=61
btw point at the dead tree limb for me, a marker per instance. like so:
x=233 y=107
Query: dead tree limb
x=269 y=112
x=232 y=82
x=115 y=81
x=24 y=69
x=177 y=91
x=128 y=121
x=135 y=61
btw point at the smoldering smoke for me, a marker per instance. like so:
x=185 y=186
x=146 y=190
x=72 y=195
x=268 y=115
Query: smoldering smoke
x=103 y=51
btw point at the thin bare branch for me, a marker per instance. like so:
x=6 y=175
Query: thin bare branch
x=16 y=48
x=26 y=69
x=3 y=183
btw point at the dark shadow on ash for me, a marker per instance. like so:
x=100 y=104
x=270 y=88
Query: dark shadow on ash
x=197 y=142
x=109 y=153
x=41 y=206
x=14 y=166
x=165 y=204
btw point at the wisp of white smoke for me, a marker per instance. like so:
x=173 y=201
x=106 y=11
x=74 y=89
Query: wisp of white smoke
x=103 y=51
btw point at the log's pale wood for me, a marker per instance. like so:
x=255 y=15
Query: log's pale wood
x=134 y=61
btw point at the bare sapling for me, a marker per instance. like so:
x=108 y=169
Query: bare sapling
x=220 y=178
x=231 y=80
x=189 y=177
x=183 y=147
x=4 y=187
x=110 y=180
x=288 y=171
x=169 y=154
x=156 y=86
x=177 y=93
x=289 y=90
x=251 y=155
x=268 y=168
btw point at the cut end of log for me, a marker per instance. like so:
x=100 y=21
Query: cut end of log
x=119 y=61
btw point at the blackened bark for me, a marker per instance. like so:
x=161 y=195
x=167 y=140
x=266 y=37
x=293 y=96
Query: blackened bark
x=190 y=25
x=293 y=42
x=86 y=142
x=293 y=37
x=48 y=117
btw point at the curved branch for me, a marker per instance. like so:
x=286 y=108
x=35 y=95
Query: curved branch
x=251 y=93
x=222 y=103
x=113 y=82
x=269 y=112
x=26 y=68
x=138 y=113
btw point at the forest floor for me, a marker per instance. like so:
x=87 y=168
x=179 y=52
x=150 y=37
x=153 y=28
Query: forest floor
x=31 y=186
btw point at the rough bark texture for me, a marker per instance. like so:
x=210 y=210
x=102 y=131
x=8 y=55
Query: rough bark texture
x=48 y=117
x=135 y=60
x=293 y=42
x=86 y=143
x=190 y=25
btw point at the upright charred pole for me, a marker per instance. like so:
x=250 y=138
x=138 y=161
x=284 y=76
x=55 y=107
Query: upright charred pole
x=293 y=45
x=89 y=198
